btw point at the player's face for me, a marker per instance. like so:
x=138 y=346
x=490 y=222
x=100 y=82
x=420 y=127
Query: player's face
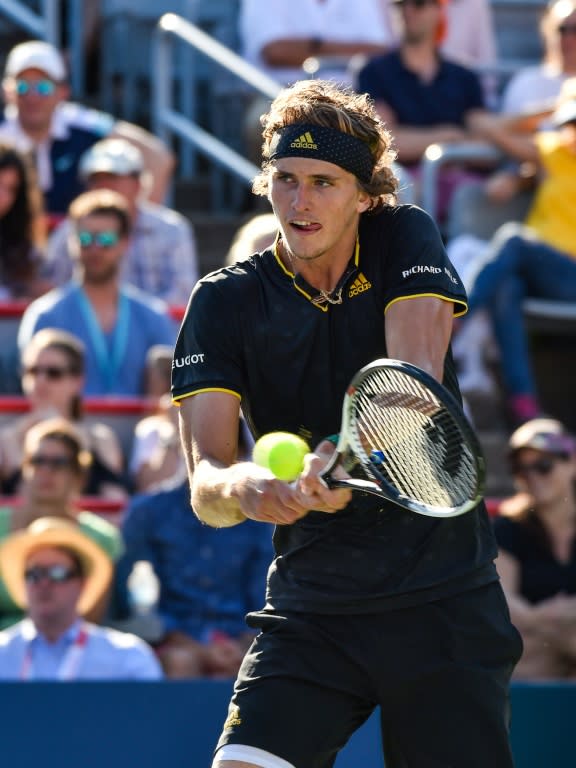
x=317 y=205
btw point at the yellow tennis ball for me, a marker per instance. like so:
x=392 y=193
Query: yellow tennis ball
x=282 y=453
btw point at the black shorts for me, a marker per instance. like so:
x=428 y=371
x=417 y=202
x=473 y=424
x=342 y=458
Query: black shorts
x=440 y=673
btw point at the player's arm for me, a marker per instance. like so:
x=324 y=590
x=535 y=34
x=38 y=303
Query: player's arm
x=418 y=331
x=225 y=492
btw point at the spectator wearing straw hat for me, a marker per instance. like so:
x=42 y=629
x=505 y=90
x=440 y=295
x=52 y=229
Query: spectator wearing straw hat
x=58 y=575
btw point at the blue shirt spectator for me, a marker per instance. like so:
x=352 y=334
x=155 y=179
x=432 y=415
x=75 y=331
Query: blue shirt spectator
x=115 y=360
x=104 y=654
x=209 y=578
x=117 y=322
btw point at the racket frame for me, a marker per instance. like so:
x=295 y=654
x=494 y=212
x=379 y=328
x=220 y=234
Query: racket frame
x=378 y=485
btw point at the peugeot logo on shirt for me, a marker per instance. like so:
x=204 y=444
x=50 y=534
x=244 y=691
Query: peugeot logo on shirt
x=188 y=360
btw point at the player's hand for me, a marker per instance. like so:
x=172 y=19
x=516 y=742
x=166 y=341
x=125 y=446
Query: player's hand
x=265 y=498
x=313 y=487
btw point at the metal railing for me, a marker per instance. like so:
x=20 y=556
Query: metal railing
x=46 y=25
x=168 y=121
x=43 y=25
x=438 y=156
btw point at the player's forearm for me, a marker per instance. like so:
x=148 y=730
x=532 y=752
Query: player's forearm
x=213 y=498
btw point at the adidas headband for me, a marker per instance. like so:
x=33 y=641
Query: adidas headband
x=321 y=143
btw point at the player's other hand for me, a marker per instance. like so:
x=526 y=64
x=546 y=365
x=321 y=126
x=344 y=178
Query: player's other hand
x=264 y=498
x=312 y=487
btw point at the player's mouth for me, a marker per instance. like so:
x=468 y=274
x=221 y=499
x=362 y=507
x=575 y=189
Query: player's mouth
x=303 y=225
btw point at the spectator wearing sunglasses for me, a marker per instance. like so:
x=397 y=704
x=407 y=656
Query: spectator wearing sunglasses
x=116 y=321
x=40 y=119
x=536 y=534
x=161 y=256
x=470 y=37
x=55 y=465
x=423 y=97
x=52 y=379
x=59 y=575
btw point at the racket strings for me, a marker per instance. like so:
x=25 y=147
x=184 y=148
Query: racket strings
x=412 y=440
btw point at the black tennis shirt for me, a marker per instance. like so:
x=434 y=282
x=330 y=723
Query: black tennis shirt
x=255 y=330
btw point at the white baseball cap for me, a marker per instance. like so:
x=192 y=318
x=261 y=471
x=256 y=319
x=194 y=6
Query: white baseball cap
x=36 y=54
x=116 y=156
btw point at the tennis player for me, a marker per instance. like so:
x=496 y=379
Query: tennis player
x=367 y=604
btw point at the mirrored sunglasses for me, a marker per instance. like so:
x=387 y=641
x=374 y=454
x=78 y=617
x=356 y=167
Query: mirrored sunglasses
x=40 y=87
x=100 y=239
x=56 y=574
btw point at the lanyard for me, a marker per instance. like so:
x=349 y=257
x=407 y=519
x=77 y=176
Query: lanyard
x=108 y=360
x=70 y=662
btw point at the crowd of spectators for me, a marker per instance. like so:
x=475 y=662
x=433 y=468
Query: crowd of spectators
x=88 y=243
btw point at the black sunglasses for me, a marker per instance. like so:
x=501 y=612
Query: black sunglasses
x=52 y=462
x=416 y=3
x=567 y=29
x=56 y=574
x=52 y=372
x=543 y=467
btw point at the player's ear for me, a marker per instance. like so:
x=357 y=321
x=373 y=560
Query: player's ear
x=364 y=201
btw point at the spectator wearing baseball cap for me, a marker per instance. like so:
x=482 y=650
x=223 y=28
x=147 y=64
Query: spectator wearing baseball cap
x=40 y=119
x=58 y=574
x=161 y=257
x=536 y=534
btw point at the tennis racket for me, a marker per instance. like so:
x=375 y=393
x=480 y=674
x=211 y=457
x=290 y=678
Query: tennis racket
x=411 y=440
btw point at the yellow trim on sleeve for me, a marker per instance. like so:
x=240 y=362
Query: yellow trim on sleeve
x=176 y=400
x=433 y=296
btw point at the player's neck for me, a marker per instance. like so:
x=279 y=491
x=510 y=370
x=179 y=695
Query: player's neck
x=321 y=270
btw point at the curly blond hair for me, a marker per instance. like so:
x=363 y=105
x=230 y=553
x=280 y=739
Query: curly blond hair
x=320 y=102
